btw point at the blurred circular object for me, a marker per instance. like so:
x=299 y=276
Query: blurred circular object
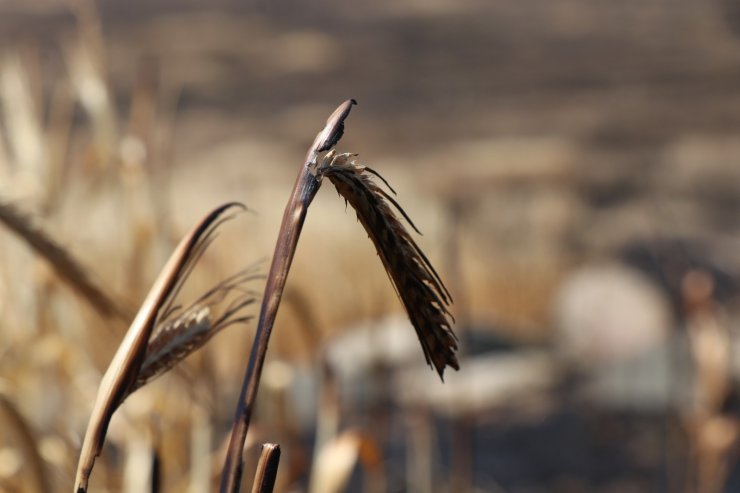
x=609 y=313
x=11 y=462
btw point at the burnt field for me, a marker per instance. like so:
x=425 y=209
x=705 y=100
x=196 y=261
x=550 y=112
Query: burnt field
x=573 y=167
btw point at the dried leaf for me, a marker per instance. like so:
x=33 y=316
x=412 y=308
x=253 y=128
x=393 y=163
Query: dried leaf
x=64 y=264
x=123 y=370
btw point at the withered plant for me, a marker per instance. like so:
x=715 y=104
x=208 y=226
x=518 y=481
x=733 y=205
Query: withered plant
x=417 y=284
x=162 y=334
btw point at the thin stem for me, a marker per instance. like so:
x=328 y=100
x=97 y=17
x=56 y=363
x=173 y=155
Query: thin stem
x=306 y=187
x=304 y=190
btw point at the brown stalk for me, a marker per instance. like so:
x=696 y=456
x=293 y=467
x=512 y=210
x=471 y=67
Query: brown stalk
x=421 y=290
x=63 y=263
x=123 y=371
x=267 y=469
x=304 y=190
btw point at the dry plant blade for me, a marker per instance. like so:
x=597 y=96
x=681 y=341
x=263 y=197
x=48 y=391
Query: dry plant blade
x=63 y=263
x=267 y=469
x=304 y=190
x=417 y=284
x=123 y=371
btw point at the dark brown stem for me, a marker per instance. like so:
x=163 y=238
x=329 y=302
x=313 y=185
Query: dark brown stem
x=304 y=190
x=267 y=469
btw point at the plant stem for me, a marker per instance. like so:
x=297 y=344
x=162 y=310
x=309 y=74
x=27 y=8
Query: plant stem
x=306 y=187
x=267 y=469
x=304 y=190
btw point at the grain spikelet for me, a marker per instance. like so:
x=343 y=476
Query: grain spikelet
x=416 y=282
x=184 y=333
x=63 y=263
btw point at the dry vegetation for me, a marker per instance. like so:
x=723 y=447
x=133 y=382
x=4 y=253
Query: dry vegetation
x=572 y=166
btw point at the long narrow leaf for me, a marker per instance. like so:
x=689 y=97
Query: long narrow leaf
x=64 y=264
x=123 y=371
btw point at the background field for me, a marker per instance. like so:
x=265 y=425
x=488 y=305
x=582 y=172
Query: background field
x=572 y=165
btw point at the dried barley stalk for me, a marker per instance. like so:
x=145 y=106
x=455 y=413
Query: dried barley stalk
x=304 y=190
x=418 y=285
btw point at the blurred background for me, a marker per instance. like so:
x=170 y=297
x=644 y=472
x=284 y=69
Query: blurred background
x=572 y=165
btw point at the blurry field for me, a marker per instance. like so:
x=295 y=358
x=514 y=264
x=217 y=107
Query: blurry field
x=572 y=165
